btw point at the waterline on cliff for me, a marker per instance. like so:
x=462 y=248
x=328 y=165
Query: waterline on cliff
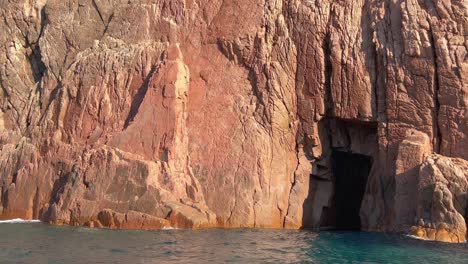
x=19 y=221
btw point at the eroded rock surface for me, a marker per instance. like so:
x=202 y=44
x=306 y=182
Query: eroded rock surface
x=442 y=199
x=197 y=113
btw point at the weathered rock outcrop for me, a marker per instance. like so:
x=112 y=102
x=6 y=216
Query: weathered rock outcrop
x=442 y=199
x=197 y=113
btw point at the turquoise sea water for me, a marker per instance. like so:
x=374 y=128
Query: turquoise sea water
x=40 y=243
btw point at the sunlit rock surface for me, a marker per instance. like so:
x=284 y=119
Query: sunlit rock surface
x=193 y=113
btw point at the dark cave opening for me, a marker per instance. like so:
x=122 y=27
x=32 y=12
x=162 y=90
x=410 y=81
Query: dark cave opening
x=350 y=172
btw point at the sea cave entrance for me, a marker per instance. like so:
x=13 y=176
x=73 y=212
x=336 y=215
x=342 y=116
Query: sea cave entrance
x=350 y=172
x=339 y=176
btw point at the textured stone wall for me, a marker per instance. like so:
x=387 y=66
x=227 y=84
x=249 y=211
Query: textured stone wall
x=194 y=113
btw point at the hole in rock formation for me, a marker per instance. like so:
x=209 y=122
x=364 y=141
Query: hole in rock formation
x=350 y=172
x=340 y=172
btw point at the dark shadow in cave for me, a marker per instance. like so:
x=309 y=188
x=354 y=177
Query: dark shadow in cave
x=350 y=171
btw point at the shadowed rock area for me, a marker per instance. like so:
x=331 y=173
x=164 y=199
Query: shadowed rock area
x=190 y=113
x=351 y=172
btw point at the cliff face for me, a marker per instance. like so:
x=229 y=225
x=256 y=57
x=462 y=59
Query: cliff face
x=194 y=113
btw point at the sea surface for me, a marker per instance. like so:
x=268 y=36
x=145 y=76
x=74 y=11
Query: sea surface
x=40 y=243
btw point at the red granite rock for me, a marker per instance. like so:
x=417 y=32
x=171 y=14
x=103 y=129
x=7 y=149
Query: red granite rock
x=442 y=199
x=229 y=109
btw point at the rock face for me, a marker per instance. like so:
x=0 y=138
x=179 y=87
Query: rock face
x=442 y=199
x=197 y=113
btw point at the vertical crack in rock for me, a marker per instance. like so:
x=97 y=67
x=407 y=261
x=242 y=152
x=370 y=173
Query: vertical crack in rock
x=370 y=57
x=293 y=184
x=15 y=177
x=437 y=140
x=375 y=83
x=35 y=57
x=99 y=12
x=35 y=60
x=35 y=207
x=260 y=104
x=52 y=97
x=328 y=74
x=140 y=95
x=38 y=68
x=107 y=24
x=4 y=198
x=58 y=189
x=1 y=200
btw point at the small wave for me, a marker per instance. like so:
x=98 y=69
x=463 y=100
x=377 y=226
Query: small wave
x=19 y=221
x=425 y=239
x=416 y=237
x=169 y=228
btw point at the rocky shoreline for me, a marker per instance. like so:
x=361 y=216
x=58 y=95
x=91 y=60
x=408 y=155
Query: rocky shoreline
x=247 y=113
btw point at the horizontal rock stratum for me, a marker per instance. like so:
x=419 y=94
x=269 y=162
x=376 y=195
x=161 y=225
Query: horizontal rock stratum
x=244 y=113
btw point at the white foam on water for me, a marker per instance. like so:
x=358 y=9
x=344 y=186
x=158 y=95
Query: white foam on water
x=416 y=237
x=420 y=238
x=169 y=228
x=19 y=221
